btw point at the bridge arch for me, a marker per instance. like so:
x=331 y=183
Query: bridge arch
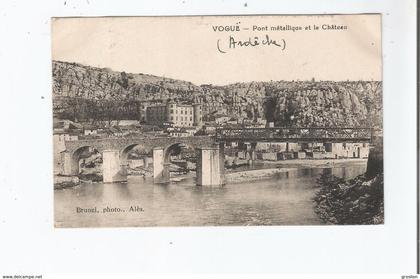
x=171 y=147
x=128 y=148
x=162 y=159
x=75 y=157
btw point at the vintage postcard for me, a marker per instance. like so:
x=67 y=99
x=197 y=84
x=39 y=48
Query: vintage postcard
x=217 y=120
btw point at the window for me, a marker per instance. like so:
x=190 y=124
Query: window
x=172 y=111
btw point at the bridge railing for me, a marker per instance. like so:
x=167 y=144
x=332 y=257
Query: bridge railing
x=282 y=133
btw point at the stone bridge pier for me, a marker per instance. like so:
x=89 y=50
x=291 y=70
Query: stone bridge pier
x=209 y=165
x=160 y=166
x=113 y=170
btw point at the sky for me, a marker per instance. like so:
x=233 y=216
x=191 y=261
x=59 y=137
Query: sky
x=188 y=48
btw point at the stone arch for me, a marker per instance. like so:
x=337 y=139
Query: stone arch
x=167 y=150
x=161 y=160
x=126 y=150
x=75 y=158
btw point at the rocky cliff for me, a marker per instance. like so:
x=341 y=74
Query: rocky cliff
x=84 y=92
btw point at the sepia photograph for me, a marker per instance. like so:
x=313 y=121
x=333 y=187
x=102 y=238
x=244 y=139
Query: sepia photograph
x=217 y=121
x=209 y=138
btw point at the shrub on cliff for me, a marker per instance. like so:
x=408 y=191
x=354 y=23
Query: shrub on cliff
x=350 y=202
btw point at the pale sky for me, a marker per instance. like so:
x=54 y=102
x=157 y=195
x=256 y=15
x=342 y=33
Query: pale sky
x=186 y=47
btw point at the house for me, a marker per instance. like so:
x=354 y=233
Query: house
x=128 y=130
x=232 y=121
x=348 y=150
x=115 y=131
x=128 y=123
x=190 y=131
x=270 y=156
x=179 y=132
x=221 y=119
x=270 y=125
x=89 y=130
x=261 y=121
x=286 y=155
x=59 y=139
x=209 y=129
x=66 y=126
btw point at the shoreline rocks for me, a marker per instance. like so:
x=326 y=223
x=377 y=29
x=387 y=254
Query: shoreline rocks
x=61 y=182
x=355 y=201
x=252 y=175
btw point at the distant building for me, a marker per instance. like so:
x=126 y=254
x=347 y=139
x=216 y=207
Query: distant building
x=209 y=129
x=180 y=132
x=220 y=119
x=113 y=131
x=271 y=146
x=261 y=121
x=66 y=126
x=128 y=123
x=59 y=139
x=89 y=130
x=180 y=115
x=270 y=124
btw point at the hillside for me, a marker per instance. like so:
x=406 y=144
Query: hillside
x=84 y=92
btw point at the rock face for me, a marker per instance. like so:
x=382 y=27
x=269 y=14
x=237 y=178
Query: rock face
x=350 y=202
x=352 y=104
x=76 y=80
x=83 y=92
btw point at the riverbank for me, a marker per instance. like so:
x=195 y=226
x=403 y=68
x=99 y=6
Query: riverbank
x=314 y=163
x=266 y=169
x=61 y=182
x=263 y=170
x=252 y=175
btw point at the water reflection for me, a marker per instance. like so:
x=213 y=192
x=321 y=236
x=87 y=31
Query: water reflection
x=284 y=199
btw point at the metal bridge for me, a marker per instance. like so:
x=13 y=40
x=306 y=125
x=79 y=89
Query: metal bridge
x=302 y=134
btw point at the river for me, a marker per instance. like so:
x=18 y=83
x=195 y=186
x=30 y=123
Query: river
x=284 y=199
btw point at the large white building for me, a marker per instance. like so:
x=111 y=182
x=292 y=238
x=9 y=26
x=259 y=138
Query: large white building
x=180 y=115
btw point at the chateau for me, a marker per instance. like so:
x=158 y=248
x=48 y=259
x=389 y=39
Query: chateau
x=179 y=115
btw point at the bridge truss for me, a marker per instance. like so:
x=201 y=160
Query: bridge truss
x=282 y=134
